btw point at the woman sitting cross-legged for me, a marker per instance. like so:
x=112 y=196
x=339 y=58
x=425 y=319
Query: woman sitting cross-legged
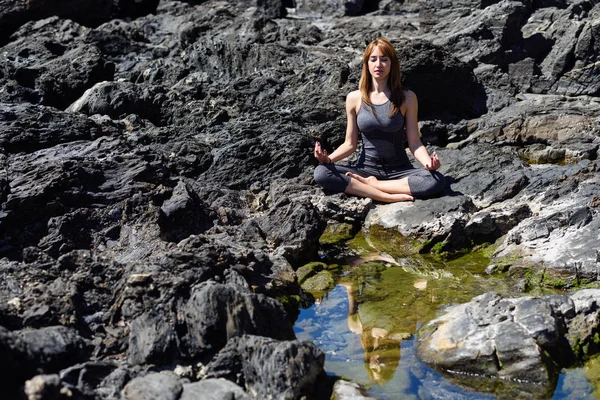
x=381 y=110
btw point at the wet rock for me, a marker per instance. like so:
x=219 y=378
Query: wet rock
x=183 y=171
x=521 y=338
x=320 y=283
x=269 y=368
x=344 y=390
x=429 y=222
x=309 y=270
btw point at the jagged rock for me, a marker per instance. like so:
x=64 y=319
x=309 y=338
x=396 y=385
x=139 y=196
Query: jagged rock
x=25 y=127
x=429 y=69
x=38 y=351
x=87 y=12
x=185 y=172
x=429 y=222
x=269 y=368
x=338 y=8
x=118 y=99
x=217 y=313
x=183 y=215
x=481 y=31
x=52 y=71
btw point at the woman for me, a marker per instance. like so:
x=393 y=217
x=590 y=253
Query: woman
x=381 y=110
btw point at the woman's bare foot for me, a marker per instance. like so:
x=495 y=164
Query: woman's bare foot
x=402 y=197
x=371 y=180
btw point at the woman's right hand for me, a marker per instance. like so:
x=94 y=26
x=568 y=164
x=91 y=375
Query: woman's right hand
x=321 y=154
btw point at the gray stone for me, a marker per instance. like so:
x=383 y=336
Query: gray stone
x=159 y=386
x=519 y=338
x=213 y=389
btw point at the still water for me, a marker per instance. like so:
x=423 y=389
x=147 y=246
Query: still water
x=366 y=326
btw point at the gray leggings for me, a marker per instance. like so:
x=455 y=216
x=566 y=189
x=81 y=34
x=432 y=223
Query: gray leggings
x=422 y=182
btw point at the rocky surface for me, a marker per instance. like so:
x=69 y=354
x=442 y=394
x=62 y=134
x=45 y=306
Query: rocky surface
x=524 y=339
x=156 y=177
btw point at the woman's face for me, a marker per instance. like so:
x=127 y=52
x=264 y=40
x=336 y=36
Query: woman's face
x=379 y=64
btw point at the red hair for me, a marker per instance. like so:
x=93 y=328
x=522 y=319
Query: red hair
x=365 y=85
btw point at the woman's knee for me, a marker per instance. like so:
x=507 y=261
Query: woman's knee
x=430 y=183
x=330 y=179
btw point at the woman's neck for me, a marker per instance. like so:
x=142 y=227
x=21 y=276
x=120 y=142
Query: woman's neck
x=379 y=86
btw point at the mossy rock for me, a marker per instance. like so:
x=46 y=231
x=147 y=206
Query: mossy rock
x=308 y=270
x=392 y=242
x=592 y=372
x=322 y=282
x=337 y=233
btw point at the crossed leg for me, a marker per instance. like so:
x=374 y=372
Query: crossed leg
x=385 y=191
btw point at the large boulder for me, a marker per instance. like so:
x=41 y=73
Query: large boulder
x=269 y=368
x=521 y=339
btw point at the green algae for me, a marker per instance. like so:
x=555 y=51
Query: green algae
x=592 y=372
x=320 y=283
x=308 y=270
x=395 y=285
x=337 y=233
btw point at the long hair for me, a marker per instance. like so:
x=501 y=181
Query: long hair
x=365 y=85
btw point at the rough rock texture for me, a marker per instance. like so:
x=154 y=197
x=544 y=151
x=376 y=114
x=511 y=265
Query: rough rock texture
x=268 y=368
x=515 y=339
x=156 y=167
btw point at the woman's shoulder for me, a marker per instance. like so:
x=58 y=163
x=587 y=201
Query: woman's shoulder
x=409 y=95
x=354 y=96
x=353 y=100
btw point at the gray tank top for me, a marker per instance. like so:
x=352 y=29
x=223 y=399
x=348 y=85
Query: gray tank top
x=383 y=138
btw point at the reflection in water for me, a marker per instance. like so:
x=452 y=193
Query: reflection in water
x=381 y=348
x=366 y=328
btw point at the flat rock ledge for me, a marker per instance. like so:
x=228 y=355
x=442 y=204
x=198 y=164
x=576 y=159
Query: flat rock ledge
x=525 y=339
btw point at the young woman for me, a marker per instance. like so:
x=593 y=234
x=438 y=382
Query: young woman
x=381 y=111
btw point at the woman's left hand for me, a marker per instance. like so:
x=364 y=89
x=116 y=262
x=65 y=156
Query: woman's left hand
x=434 y=162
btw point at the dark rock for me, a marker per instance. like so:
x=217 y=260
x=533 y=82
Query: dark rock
x=87 y=12
x=53 y=70
x=27 y=128
x=183 y=215
x=118 y=99
x=429 y=70
x=39 y=351
x=269 y=368
x=152 y=338
x=215 y=313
